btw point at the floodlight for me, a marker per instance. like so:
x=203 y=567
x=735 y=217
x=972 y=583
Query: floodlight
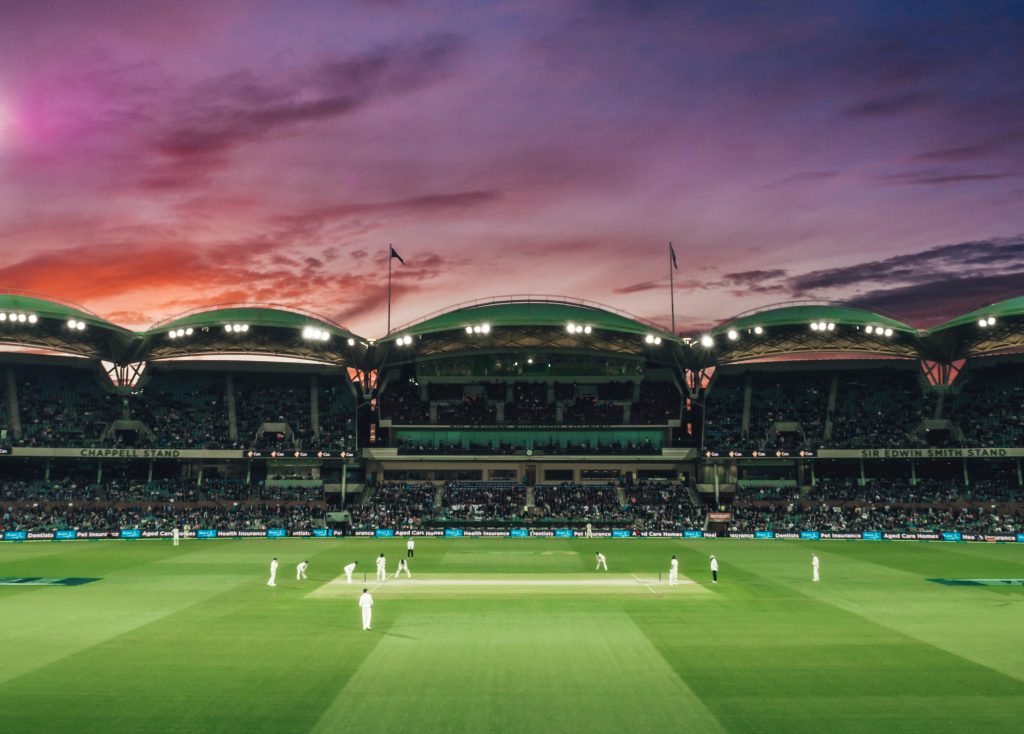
x=587 y=329
x=32 y=318
x=486 y=328
x=982 y=323
x=529 y=360
x=649 y=339
x=657 y=340
x=706 y=341
x=991 y=320
x=888 y=332
x=324 y=335
x=869 y=328
x=570 y=327
x=245 y=327
x=188 y=331
x=22 y=318
x=469 y=329
x=227 y=327
x=72 y=323
x=13 y=317
x=814 y=326
x=733 y=335
x=351 y=342
x=758 y=330
x=3 y=316
x=831 y=326
x=476 y=329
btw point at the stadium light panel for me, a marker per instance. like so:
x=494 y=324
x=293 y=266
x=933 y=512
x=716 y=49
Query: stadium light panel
x=706 y=341
x=587 y=329
x=831 y=326
x=814 y=326
x=245 y=327
x=570 y=327
x=22 y=318
x=888 y=332
x=758 y=330
x=351 y=342
x=485 y=328
x=469 y=329
x=869 y=328
x=649 y=339
x=982 y=323
x=991 y=320
x=227 y=328
x=733 y=335
x=188 y=331
x=32 y=318
x=3 y=317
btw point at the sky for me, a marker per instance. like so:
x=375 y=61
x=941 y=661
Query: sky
x=162 y=157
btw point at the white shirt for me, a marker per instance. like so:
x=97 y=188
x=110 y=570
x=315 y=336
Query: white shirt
x=273 y=565
x=381 y=562
x=714 y=564
x=303 y=566
x=175 y=532
x=675 y=564
x=600 y=558
x=815 y=561
x=410 y=545
x=403 y=563
x=365 y=600
x=350 y=568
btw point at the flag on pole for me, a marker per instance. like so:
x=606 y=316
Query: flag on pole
x=671 y=252
x=394 y=253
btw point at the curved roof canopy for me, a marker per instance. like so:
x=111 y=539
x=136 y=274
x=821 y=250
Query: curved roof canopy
x=532 y=311
x=37 y=321
x=257 y=329
x=806 y=327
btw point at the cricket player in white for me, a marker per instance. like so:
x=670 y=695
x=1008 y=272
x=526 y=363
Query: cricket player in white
x=673 y=572
x=590 y=530
x=602 y=562
x=300 y=571
x=410 y=548
x=349 y=569
x=176 y=534
x=273 y=573
x=366 y=605
x=382 y=568
x=403 y=565
x=714 y=570
x=815 y=563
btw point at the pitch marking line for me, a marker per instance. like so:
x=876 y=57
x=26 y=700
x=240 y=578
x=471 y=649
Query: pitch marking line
x=641 y=581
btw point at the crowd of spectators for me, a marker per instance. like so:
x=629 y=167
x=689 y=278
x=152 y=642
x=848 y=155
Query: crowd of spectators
x=395 y=505
x=569 y=501
x=723 y=414
x=278 y=398
x=503 y=501
x=64 y=407
x=794 y=516
x=659 y=403
x=877 y=409
x=402 y=403
x=661 y=506
x=184 y=410
x=989 y=408
x=530 y=405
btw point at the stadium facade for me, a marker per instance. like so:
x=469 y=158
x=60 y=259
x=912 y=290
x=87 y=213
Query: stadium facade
x=803 y=401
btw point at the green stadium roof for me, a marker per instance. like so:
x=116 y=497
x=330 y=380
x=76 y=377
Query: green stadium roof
x=269 y=315
x=45 y=308
x=807 y=312
x=1001 y=309
x=532 y=311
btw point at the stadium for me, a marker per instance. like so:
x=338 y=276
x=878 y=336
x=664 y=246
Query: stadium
x=512 y=439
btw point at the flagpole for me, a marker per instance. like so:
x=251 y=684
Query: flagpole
x=390 y=249
x=672 y=288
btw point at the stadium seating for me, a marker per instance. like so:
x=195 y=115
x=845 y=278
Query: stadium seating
x=184 y=409
x=64 y=407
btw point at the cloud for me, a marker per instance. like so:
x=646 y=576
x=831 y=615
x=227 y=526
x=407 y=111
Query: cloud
x=938 y=178
x=944 y=298
x=892 y=105
x=803 y=177
x=212 y=118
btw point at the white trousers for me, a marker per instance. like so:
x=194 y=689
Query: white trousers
x=348 y=577
x=400 y=569
x=300 y=575
x=273 y=579
x=673 y=578
x=382 y=573
x=367 y=613
x=816 y=576
x=602 y=564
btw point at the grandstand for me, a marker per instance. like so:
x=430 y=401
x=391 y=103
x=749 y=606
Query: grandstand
x=513 y=412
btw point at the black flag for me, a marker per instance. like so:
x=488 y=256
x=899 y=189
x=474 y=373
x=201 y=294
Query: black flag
x=395 y=254
x=671 y=251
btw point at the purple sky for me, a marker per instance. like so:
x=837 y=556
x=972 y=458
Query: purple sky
x=160 y=157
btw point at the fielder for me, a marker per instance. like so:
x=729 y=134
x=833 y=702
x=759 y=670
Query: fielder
x=815 y=563
x=673 y=572
x=403 y=565
x=176 y=534
x=714 y=570
x=273 y=573
x=410 y=548
x=602 y=562
x=366 y=605
x=382 y=568
x=349 y=569
x=300 y=571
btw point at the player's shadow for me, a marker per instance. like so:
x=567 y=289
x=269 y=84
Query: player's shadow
x=403 y=637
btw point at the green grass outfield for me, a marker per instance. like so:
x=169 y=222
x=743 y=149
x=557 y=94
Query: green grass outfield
x=512 y=635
